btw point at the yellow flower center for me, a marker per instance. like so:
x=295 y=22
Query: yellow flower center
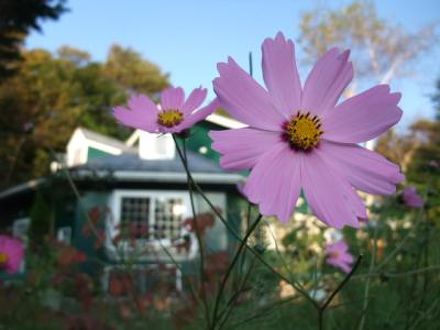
x=3 y=258
x=169 y=118
x=334 y=254
x=303 y=131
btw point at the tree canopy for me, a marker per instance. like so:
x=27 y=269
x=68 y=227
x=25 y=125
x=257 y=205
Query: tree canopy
x=51 y=95
x=380 y=49
x=17 y=18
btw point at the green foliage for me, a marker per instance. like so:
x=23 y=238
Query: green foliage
x=41 y=219
x=17 y=18
x=126 y=67
x=436 y=100
x=424 y=170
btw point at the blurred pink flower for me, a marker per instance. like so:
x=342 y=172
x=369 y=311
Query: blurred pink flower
x=338 y=256
x=11 y=254
x=173 y=115
x=299 y=138
x=411 y=198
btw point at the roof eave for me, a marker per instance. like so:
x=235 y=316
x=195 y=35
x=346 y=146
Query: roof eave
x=175 y=177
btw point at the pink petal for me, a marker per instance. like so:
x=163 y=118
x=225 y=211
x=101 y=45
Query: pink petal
x=274 y=182
x=172 y=98
x=329 y=195
x=281 y=75
x=245 y=99
x=411 y=198
x=338 y=263
x=326 y=82
x=195 y=99
x=363 y=117
x=241 y=148
x=197 y=116
x=339 y=246
x=141 y=114
x=346 y=257
x=364 y=169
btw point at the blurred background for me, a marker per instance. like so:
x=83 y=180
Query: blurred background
x=65 y=64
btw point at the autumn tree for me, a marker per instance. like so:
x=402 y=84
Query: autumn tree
x=51 y=95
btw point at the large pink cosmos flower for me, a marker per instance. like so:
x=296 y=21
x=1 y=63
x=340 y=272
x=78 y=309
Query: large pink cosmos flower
x=338 y=255
x=411 y=198
x=173 y=115
x=300 y=138
x=11 y=254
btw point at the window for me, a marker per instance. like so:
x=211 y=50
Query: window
x=153 y=217
x=149 y=222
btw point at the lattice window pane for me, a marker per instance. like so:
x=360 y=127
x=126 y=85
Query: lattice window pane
x=135 y=216
x=168 y=217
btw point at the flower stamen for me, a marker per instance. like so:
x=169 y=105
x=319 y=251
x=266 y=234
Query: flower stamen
x=3 y=258
x=170 y=118
x=303 y=131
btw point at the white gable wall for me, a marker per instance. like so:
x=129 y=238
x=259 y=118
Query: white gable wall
x=78 y=147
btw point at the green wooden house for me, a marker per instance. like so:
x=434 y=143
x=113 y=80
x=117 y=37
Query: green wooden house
x=102 y=187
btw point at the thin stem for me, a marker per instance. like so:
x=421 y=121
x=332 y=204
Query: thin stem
x=237 y=237
x=367 y=284
x=184 y=160
x=322 y=308
x=342 y=284
x=231 y=267
x=263 y=311
x=228 y=308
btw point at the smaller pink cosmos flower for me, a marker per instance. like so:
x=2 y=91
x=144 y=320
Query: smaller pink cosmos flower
x=174 y=114
x=411 y=198
x=11 y=254
x=338 y=256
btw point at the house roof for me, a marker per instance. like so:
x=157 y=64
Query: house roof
x=129 y=166
x=100 y=138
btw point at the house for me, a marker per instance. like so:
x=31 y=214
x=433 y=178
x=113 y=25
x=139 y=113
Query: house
x=114 y=200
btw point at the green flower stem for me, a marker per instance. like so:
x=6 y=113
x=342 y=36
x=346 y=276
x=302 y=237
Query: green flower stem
x=238 y=238
x=231 y=267
x=184 y=159
x=327 y=302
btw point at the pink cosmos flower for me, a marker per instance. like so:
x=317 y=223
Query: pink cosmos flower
x=173 y=115
x=299 y=138
x=11 y=254
x=338 y=256
x=411 y=198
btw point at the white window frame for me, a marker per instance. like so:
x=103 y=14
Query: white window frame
x=114 y=221
x=16 y=232
x=64 y=234
x=18 y=224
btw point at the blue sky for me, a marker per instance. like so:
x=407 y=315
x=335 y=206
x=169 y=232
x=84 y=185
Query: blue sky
x=188 y=38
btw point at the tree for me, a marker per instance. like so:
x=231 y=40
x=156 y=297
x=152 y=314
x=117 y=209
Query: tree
x=126 y=67
x=51 y=95
x=17 y=18
x=436 y=100
x=380 y=49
